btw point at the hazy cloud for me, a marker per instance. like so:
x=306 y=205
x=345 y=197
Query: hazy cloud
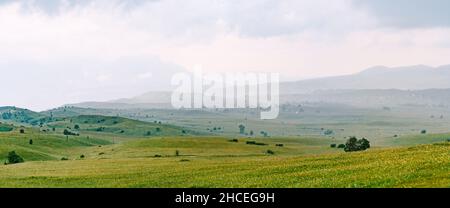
x=64 y=51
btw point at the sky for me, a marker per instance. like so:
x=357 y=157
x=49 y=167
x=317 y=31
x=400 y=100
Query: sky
x=55 y=52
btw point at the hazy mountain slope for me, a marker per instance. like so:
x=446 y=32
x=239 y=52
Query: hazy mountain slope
x=374 y=98
x=419 y=85
x=406 y=78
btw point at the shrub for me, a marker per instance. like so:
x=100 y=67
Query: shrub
x=101 y=153
x=341 y=146
x=158 y=129
x=22 y=131
x=241 y=129
x=423 y=131
x=30 y=142
x=64 y=158
x=158 y=156
x=14 y=158
x=279 y=145
x=76 y=127
x=82 y=156
x=333 y=145
x=328 y=132
x=184 y=160
x=68 y=133
x=177 y=153
x=270 y=152
x=353 y=144
x=256 y=143
x=233 y=140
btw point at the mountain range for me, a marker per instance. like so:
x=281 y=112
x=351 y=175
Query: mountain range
x=380 y=85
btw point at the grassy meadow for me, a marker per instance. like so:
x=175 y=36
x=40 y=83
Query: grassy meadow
x=113 y=151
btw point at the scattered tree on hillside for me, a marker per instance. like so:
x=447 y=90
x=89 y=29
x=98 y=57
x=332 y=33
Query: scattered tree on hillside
x=328 y=132
x=353 y=144
x=14 y=158
x=69 y=133
x=241 y=129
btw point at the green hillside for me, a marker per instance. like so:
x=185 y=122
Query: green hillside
x=133 y=166
x=109 y=127
x=19 y=115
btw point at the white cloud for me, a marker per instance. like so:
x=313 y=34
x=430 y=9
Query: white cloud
x=102 y=50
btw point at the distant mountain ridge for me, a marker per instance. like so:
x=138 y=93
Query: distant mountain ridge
x=418 y=77
x=379 y=85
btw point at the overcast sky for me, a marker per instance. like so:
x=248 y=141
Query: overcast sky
x=56 y=52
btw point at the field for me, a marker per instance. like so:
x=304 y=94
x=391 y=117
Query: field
x=112 y=151
x=421 y=166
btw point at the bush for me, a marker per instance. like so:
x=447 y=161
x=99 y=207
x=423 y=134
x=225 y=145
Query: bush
x=14 y=158
x=256 y=143
x=177 y=153
x=250 y=142
x=158 y=155
x=82 y=156
x=270 y=152
x=70 y=133
x=353 y=144
x=76 y=127
x=328 y=132
x=64 y=158
x=341 y=146
x=184 y=160
x=333 y=145
x=423 y=132
x=233 y=140
x=279 y=145
x=30 y=142
x=22 y=131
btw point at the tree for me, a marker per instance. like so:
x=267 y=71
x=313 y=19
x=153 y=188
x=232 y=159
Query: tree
x=14 y=158
x=22 y=131
x=241 y=129
x=328 y=132
x=353 y=144
x=31 y=142
x=251 y=133
x=76 y=127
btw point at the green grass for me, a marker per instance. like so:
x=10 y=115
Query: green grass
x=216 y=162
x=118 y=128
x=421 y=166
x=127 y=159
x=45 y=146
